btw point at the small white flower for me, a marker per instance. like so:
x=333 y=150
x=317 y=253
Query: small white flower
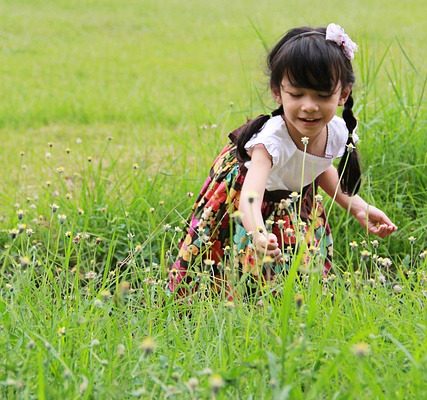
x=304 y=140
x=350 y=147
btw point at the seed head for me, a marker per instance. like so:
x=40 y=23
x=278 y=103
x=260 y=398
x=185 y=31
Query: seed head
x=13 y=233
x=62 y=331
x=289 y=232
x=361 y=349
x=216 y=382
x=294 y=196
x=29 y=232
x=135 y=166
x=353 y=245
x=25 y=261
x=386 y=262
x=350 y=147
x=304 y=140
x=54 y=207
x=252 y=196
x=192 y=383
x=397 y=289
x=375 y=243
x=364 y=255
x=20 y=214
x=148 y=345
x=299 y=300
x=62 y=218
x=60 y=170
x=91 y=275
x=412 y=239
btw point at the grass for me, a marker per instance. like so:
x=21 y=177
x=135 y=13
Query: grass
x=135 y=100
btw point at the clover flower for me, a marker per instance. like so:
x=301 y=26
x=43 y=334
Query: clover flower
x=412 y=239
x=62 y=218
x=397 y=288
x=353 y=245
x=386 y=262
x=20 y=214
x=54 y=207
x=364 y=255
x=294 y=196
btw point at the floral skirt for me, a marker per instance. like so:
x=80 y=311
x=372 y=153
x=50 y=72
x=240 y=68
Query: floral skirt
x=217 y=245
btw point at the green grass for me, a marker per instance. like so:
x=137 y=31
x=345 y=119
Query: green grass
x=167 y=81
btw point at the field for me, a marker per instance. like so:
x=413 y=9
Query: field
x=110 y=115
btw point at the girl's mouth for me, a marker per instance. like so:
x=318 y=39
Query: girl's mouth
x=310 y=120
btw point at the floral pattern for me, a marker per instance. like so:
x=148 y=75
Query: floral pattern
x=216 y=243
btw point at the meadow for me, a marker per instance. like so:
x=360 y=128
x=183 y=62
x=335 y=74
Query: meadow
x=110 y=115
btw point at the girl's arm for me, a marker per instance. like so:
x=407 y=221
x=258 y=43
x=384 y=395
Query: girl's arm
x=370 y=217
x=251 y=200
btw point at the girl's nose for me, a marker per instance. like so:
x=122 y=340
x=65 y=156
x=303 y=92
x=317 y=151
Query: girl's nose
x=309 y=105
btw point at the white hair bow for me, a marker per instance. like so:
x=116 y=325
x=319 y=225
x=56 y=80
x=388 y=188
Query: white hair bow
x=336 y=34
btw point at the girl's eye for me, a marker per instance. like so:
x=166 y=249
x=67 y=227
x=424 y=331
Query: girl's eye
x=325 y=95
x=294 y=94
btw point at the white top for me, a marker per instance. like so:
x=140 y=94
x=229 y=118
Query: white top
x=288 y=160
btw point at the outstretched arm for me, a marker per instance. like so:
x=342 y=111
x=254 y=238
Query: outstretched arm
x=374 y=220
x=251 y=200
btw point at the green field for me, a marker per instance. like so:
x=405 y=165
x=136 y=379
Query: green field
x=110 y=113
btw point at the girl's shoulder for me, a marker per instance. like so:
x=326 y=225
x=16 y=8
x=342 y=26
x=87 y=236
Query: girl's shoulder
x=273 y=135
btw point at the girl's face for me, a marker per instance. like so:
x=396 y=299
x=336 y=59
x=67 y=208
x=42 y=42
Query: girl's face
x=307 y=111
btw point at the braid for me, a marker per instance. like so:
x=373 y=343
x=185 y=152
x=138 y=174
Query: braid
x=250 y=129
x=349 y=166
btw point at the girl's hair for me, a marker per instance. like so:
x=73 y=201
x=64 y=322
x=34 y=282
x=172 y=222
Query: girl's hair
x=310 y=61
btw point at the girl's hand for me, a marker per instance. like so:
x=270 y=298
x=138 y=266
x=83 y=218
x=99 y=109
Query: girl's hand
x=266 y=244
x=375 y=221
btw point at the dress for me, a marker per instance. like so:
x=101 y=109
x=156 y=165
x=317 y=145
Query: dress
x=216 y=243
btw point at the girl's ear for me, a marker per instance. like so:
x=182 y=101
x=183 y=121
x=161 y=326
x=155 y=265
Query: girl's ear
x=276 y=95
x=344 y=95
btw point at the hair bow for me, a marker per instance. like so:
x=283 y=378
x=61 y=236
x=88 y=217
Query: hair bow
x=336 y=34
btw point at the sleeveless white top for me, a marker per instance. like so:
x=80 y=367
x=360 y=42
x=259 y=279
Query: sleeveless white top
x=288 y=160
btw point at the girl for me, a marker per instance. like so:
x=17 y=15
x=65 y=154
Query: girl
x=259 y=202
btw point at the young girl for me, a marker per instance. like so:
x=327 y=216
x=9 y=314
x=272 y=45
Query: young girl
x=259 y=202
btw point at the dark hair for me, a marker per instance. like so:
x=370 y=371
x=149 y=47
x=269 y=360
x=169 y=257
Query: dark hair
x=308 y=60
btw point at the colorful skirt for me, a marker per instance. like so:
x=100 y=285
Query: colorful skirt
x=216 y=243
